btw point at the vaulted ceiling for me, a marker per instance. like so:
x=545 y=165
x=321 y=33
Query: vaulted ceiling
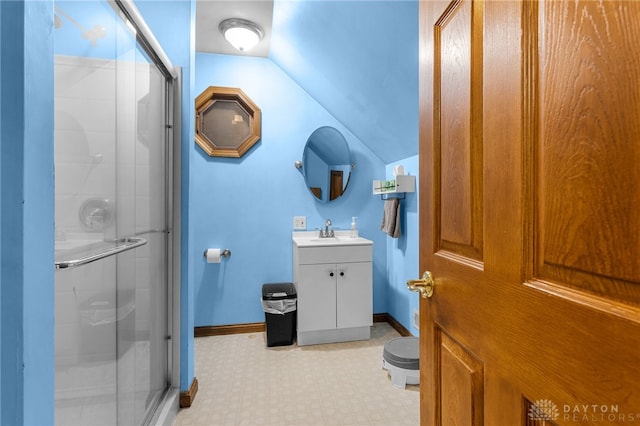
x=358 y=59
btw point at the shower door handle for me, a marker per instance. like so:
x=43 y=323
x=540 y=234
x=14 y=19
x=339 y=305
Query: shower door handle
x=123 y=244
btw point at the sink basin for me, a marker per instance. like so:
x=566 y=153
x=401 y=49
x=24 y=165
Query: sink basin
x=342 y=238
x=332 y=239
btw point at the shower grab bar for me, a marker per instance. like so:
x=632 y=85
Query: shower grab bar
x=127 y=244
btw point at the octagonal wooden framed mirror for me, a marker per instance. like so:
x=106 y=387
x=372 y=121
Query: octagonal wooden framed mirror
x=228 y=122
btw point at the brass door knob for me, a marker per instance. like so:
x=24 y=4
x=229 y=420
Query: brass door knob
x=424 y=285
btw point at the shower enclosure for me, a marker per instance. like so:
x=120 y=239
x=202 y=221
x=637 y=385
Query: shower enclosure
x=113 y=171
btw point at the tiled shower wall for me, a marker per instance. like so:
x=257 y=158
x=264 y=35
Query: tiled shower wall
x=85 y=164
x=95 y=131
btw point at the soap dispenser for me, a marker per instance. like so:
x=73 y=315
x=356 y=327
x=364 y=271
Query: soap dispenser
x=354 y=228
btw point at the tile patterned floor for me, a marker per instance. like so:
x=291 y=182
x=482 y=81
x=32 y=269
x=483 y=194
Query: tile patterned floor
x=242 y=382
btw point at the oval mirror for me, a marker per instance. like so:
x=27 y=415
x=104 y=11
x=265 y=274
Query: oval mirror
x=326 y=164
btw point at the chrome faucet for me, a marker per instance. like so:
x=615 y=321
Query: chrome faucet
x=327 y=233
x=327 y=224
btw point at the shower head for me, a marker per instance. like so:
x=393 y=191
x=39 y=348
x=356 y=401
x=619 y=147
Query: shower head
x=98 y=31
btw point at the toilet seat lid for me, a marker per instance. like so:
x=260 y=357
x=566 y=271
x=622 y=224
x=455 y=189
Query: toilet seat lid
x=403 y=352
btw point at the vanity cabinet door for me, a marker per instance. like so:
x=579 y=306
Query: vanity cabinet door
x=354 y=296
x=317 y=297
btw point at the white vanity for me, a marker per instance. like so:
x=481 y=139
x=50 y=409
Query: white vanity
x=334 y=283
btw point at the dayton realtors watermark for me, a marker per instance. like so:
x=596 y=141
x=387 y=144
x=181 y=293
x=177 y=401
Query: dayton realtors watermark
x=597 y=413
x=545 y=409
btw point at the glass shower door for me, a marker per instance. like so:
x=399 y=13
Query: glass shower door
x=112 y=171
x=142 y=187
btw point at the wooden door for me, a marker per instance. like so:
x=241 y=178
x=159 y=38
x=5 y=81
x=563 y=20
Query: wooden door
x=336 y=187
x=530 y=224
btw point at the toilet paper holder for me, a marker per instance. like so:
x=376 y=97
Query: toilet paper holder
x=224 y=253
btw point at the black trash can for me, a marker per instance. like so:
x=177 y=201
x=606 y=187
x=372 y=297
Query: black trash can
x=279 y=303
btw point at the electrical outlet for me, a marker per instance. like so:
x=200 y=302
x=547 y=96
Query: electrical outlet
x=299 y=223
x=416 y=319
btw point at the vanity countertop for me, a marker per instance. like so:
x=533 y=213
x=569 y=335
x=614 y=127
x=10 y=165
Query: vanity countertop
x=342 y=238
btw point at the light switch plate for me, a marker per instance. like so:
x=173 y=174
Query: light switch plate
x=416 y=319
x=299 y=223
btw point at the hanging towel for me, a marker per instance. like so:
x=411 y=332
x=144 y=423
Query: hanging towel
x=391 y=218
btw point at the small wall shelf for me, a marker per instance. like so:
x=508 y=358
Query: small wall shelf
x=400 y=185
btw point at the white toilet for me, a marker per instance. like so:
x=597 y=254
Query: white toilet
x=401 y=358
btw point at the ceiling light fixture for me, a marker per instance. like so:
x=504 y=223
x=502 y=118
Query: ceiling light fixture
x=242 y=34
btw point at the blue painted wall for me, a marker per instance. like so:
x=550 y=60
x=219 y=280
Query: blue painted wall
x=402 y=253
x=247 y=205
x=26 y=179
x=1 y=168
x=359 y=60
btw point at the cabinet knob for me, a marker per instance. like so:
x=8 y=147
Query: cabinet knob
x=330 y=274
x=342 y=274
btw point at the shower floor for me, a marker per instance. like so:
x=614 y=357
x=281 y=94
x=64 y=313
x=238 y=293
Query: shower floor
x=86 y=393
